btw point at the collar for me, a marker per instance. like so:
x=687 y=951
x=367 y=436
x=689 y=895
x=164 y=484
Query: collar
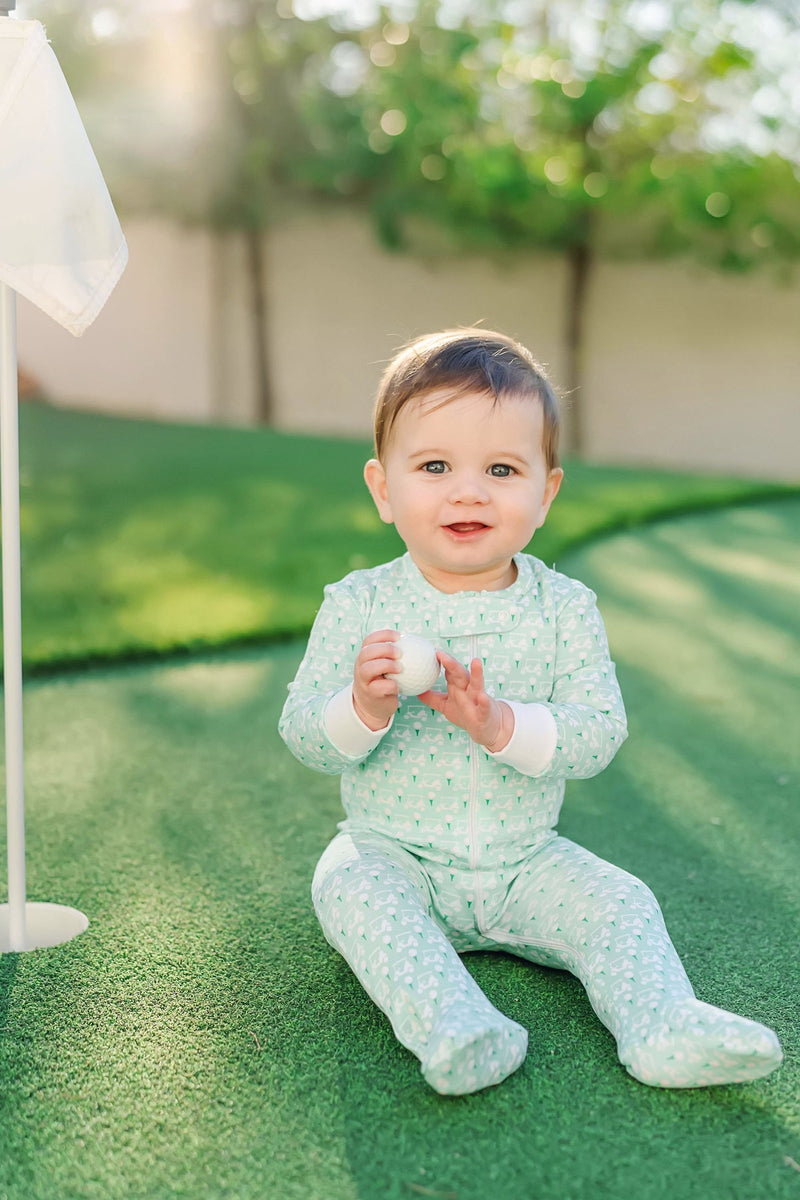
x=459 y=614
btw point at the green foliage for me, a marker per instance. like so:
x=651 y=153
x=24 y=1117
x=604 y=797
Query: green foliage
x=516 y=135
x=264 y=58
x=548 y=125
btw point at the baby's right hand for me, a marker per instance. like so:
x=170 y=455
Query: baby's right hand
x=375 y=698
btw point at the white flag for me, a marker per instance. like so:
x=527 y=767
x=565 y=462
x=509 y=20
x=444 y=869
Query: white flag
x=61 y=245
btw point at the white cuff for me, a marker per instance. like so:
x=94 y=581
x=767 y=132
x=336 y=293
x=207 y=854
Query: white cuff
x=533 y=742
x=345 y=728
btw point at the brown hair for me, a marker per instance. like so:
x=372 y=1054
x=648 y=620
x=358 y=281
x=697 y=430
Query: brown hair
x=461 y=361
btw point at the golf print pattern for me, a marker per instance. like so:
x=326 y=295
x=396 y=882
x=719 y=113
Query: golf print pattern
x=446 y=848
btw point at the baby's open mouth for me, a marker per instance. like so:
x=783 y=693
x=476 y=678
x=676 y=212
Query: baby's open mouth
x=466 y=526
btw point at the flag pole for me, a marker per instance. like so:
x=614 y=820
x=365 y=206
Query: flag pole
x=23 y=925
x=12 y=608
x=12 y=618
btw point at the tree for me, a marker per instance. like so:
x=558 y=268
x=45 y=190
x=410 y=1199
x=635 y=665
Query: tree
x=264 y=54
x=641 y=130
x=194 y=113
x=617 y=128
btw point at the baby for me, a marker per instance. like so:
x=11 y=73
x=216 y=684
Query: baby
x=452 y=796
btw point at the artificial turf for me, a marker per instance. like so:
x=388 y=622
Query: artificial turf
x=140 y=538
x=201 y=1041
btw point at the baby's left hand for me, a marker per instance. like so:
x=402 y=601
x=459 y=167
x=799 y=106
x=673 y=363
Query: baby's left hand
x=488 y=722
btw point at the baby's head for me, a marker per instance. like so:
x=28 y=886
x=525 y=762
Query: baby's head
x=466 y=466
x=457 y=362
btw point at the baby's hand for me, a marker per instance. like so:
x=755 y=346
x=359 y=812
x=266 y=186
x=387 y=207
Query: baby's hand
x=488 y=722
x=375 y=698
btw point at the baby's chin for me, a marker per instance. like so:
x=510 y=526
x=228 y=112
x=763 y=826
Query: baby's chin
x=464 y=576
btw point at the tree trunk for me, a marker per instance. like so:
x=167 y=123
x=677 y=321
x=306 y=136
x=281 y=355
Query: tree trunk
x=265 y=407
x=580 y=258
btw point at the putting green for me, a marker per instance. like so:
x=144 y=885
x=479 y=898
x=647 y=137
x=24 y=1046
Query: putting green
x=201 y=1041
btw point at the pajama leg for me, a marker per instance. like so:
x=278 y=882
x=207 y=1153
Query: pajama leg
x=570 y=909
x=374 y=901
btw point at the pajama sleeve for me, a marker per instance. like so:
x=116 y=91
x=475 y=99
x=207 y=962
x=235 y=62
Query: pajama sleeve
x=318 y=722
x=579 y=730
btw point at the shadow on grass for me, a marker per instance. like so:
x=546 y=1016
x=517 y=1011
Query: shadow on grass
x=201 y=1039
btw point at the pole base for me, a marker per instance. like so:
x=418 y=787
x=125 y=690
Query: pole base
x=45 y=925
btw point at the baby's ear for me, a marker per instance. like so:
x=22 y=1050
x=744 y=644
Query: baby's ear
x=375 y=478
x=550 y=492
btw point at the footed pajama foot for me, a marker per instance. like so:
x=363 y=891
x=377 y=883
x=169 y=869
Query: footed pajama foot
x=698 y=1045
x=463 y=1056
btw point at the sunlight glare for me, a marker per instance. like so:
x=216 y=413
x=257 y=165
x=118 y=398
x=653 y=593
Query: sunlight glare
x=105 y=23
x=216 y=684
x=393 y=122
x=718 y=204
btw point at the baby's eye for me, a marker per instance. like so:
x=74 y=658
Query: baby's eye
x=500 y=470
x=436 y=467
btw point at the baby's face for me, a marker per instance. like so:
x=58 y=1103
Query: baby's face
x=466 y=484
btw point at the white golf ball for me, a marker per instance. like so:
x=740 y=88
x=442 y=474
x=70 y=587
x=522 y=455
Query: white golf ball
x=419 y=666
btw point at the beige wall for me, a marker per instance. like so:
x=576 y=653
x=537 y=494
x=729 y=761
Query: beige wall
x=148 y=352
x=341 y=306
x=693 y=368
x=683 y=367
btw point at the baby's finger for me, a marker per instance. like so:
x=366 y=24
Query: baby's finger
x=476 y=681
x=435 y=700
x=380 y=635
x=375 y=668
x=456 y=675
x=383 y=687
x=379 y=650
x=372 y=651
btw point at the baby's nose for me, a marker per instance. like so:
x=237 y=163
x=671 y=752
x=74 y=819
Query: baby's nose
x=468 y=488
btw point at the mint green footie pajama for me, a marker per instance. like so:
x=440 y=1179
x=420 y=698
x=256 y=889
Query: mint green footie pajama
x=448 y=849
x=399 y=922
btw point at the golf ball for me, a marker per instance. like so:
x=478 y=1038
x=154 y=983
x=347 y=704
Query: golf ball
x=419 y=666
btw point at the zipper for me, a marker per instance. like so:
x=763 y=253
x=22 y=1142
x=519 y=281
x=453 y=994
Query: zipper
x=472 y=811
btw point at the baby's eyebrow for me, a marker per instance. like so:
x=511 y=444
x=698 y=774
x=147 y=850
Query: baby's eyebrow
x=511 y=455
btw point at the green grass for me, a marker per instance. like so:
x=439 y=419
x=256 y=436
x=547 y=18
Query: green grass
x=141 y=538
x=202 y=1042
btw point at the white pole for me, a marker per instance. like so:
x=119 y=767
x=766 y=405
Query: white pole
x=12 y=618
x=23 y=925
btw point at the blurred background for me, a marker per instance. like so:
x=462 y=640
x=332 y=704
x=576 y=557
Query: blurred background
x=306 y=184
